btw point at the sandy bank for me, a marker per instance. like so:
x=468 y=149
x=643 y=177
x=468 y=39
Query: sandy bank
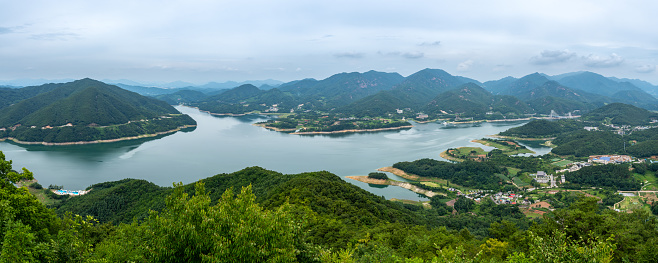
x=351 y=131
x=404 y=185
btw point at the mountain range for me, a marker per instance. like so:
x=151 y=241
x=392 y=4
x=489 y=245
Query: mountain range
x=430 y=91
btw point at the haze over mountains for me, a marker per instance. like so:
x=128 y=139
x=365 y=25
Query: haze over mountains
x=429 y=91
x=375 y=93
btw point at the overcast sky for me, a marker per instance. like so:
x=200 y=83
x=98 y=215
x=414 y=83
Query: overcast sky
x=199 y=41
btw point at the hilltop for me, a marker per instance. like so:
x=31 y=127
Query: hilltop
x=85 y=110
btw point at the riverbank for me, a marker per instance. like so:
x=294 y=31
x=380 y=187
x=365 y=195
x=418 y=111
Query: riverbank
x=97 y=141
x=404 y=185
x=355 y=131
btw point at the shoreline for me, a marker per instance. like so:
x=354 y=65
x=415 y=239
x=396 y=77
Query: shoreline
x=97 y=141
x=404 y=185
x=444 y=155
x=355 y=131
x=520 y=138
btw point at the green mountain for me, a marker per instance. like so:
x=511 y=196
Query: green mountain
x=621 y=114
x=498 y=86
x=87 y=110
x=380 y=104
x=182 y=97
x=236 y=95
x=471 y=100
x=421 y=87
x=561 y=106
x=595 y=83
x=9 y=96
x=342 y=89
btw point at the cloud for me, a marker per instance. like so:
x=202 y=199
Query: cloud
x=430 y=44
x=407 y=55
x=465 y=66
x=413 y=55
x=5 y=30
x=501 y=68
x=552 y=56
x=54 y=36
x=603 y=62
x=645 y=69
x=352 y=55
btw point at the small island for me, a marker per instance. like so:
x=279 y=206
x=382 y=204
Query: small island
x=328 y=124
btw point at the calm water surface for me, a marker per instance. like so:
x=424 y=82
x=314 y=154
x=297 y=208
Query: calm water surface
x=228 y=144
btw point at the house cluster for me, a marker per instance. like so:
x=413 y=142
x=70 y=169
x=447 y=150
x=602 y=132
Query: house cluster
x=606 y=159
x=509 y=198
x=475 y=195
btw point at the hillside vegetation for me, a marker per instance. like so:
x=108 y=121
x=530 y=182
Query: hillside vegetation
x=87 y=110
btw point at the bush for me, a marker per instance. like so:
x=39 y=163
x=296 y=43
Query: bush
x=376 y=175
x=36 y=185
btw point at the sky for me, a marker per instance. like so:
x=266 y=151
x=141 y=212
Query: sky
x=198 y=41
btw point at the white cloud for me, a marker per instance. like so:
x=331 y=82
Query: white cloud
x=430 y=44
x=645 y=68
x=552 y=56
x=465 y=66
x=603 y=62
x=352 y=55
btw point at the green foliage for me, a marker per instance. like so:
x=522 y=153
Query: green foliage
x=96 y=110
x=191 y=230
x=376 y=175
x=621 y=114
x=463 y=205
x=585 y=143
x=468 y=173
x=543 y=128
x=610 y=175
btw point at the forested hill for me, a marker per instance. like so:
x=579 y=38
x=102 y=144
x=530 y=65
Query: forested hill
x=85 y=110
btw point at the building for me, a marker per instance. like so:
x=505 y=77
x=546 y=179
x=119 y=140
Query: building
x=541 y=177
x=606 y=159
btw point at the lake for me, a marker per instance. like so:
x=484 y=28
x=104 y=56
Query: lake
x=228 y=144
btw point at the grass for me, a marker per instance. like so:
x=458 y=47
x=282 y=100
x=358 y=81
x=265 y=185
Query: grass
x=503 y=177
x=633 y=203
x=38 y=193
x=432 y=184
x=513 y=171
x=649 y=180
x=507 y=148
x=519 y=182
x=562 y=163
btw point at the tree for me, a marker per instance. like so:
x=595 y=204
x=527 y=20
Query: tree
x=463 y=205
x=190 y=230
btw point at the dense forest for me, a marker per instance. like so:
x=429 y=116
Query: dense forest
x=260 y=215
x=85 y=110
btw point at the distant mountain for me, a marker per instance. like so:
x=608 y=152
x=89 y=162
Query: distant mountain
x=421 y=87
x=522 y=88
x=236 y=94
x=471 y=100
x=247 y=98
x=380 y=104
x=146 y=91
x=499 y=86
x=182 y=97
x=637 y=98
x=561 y=106
x=621 y=114
x=595 y=83
x=646 y=86
x=78 y=111
x=11 y=96
x=342 y=89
